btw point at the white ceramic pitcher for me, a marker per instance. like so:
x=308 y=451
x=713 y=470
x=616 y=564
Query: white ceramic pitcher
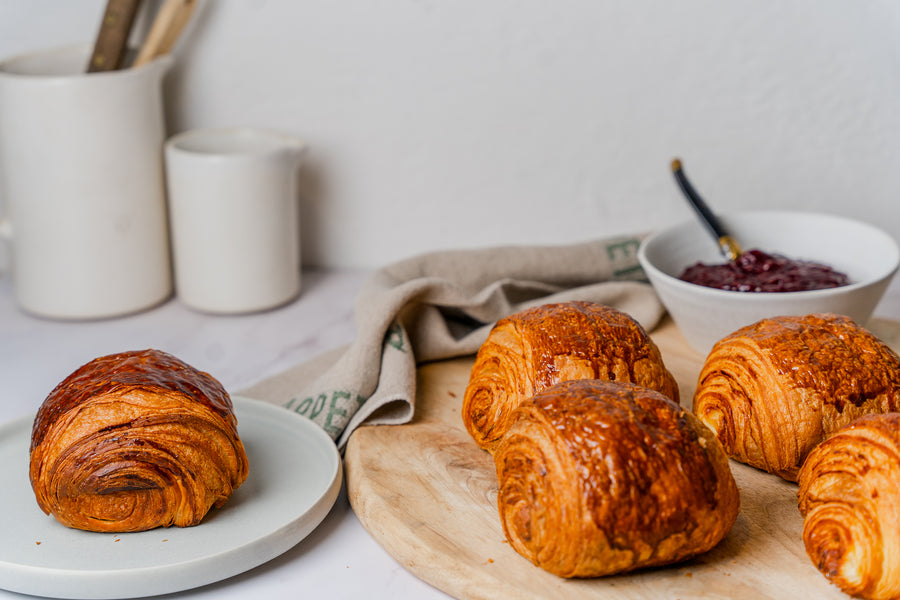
x=81 y=178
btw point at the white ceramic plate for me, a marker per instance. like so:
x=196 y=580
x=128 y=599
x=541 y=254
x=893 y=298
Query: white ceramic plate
x=295 y=476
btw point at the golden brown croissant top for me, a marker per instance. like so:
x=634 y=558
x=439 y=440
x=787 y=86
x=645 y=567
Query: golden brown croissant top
x=536 y=348
x=133 y=441
x=849 y=496
x=774 y=389
x=597 y=478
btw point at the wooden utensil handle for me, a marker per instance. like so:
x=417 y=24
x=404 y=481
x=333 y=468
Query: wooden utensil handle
x=173 y=15
x=109 y=48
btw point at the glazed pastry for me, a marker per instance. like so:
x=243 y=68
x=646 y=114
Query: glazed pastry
x=773 y=390
x=536 y=348
x=850 y=500
x=134 y=441
x=597 y=478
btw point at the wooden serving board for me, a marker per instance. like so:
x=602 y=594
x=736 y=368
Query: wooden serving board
x=428 y=495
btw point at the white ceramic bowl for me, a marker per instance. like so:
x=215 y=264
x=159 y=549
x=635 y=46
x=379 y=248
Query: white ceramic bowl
x=704 y=315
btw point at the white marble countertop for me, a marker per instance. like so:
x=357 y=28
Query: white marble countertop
x=339 y=559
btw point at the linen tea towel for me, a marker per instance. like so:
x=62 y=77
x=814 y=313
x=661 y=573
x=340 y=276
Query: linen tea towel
x=442 y=305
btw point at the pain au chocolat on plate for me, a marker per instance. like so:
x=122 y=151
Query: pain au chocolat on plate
x=531 y=350
x=134 y=441
x=773 y=390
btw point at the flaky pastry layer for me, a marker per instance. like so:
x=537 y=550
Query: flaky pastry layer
x=536 y=348
x=134 y=441
x=849 y=496
x=597 y=478
x=774 y=390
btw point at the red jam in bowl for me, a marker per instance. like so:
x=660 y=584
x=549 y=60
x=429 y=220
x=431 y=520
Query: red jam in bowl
x=757 y=271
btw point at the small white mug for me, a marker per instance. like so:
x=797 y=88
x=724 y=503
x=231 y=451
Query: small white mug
x=81 y=178
x=234 y=218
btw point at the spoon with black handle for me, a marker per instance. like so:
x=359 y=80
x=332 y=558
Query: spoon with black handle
x=727 y=245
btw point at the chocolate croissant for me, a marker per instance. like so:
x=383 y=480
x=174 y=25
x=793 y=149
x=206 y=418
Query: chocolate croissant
x=849 y=496
x=134 y=441
x=536 y=348
x=597 y=478
x=774 y=390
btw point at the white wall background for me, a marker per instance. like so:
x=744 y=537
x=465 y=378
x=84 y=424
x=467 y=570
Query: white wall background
x=461 y=123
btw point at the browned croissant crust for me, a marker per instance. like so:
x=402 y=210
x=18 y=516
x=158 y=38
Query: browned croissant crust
x=597 y=478
x=773 y=390
x=536 y=348
x=850 y=499
x=133 y=441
